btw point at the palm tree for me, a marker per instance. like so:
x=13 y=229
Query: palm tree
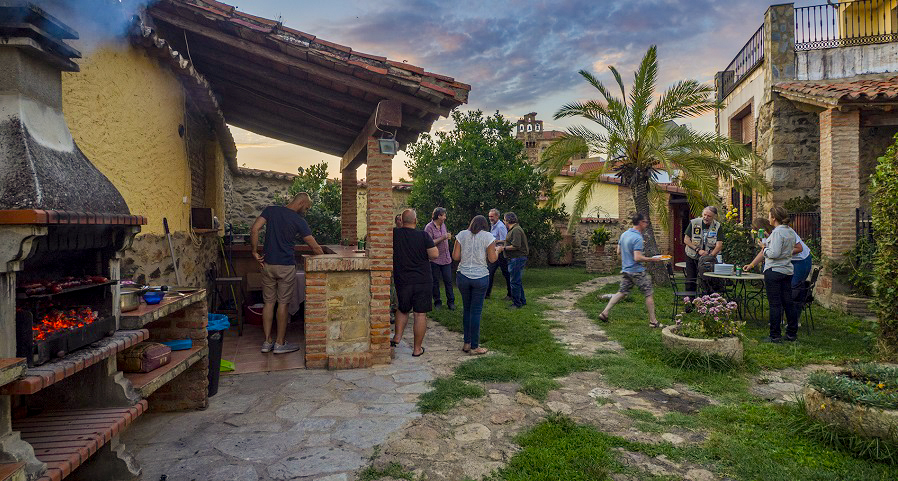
x=639 y=139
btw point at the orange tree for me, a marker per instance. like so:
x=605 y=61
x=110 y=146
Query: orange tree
x=884 y=187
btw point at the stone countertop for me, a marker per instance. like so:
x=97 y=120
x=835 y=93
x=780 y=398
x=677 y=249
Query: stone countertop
x=338 y=258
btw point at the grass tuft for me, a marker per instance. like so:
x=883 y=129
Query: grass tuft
x=392 y=470
x=446 y=393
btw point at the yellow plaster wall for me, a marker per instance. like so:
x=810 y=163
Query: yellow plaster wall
x=124 y=110
x=603 y=203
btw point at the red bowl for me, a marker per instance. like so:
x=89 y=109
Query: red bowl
x=252 y=315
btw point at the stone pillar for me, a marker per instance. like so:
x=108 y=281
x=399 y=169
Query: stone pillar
x=349 y=208
x=779 y=46
x=839 y=186
x=380 y=248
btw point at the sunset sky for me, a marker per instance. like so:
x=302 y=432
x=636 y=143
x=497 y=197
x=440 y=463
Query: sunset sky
x=518 y=56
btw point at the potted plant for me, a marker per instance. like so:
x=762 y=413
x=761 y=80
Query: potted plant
x=599 y=238
x=861 y=400
x=712 y=328
x=238 y=233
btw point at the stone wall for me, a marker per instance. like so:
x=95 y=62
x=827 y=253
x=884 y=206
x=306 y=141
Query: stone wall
x=873 y=144
x=253 y=190
x=347 y=312
x=789 y=146
x=148 y=260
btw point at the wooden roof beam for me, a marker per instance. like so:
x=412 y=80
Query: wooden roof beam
x=312 y=68
x=387 y=115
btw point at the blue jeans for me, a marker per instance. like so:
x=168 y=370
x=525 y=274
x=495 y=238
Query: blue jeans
x=515 y=269
x=472 y=293
x=444 y=272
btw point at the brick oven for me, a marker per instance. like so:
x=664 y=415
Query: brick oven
x=63 y=229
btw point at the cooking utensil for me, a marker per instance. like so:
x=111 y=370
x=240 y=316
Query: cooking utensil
x=171 y=248
x=130 y=298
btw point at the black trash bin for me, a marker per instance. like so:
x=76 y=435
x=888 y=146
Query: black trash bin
x=218 y=324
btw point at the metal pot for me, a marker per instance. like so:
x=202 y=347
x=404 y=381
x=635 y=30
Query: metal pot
x=130 y=298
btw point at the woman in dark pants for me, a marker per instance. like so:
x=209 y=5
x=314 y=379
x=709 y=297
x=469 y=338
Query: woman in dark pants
x=474 y=249
x=778 y=271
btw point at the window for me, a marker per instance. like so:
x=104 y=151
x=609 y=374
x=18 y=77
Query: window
x=537 y=127
x=520 y=127
x=529 y=127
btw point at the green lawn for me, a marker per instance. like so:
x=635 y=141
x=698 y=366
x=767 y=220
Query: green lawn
x=748 y=439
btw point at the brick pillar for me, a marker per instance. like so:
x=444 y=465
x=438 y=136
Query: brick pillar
x=190 y=389
x=839 y=186
x=349 y=208
x=380 y=248
x=316 y=320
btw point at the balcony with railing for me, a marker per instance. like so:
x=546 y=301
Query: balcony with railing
x=847 y=23
x=745 y=62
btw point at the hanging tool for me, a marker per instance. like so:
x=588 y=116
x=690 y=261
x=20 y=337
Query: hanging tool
x=171 y=248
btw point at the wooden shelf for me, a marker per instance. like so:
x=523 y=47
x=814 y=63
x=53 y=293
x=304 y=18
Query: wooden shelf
x=10 y=370
x=66 y=439
x=39 y=377
x=147 y=382
x=12 y=472
x=146 y=314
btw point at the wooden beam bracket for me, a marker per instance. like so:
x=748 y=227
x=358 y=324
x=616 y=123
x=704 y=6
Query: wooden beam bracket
x=386 y=117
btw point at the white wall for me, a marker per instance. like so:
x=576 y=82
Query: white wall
x=844 y=62
x=752 y=88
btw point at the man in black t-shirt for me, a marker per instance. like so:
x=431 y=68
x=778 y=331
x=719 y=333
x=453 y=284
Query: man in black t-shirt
x=279 y=264
x=412 y=252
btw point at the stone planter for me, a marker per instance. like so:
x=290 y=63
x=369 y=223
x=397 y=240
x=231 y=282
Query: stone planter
x=729 y=347
x=600 y=260
x=866 y=421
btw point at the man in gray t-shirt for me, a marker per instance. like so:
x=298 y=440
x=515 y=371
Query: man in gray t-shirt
x=633 y=273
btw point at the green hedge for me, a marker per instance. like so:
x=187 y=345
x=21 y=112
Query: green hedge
x=884 y=192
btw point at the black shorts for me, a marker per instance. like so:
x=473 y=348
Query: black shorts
x=414 y=297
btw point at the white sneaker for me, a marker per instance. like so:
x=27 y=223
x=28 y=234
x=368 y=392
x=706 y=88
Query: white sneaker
x=267 y=345
x=285 y=348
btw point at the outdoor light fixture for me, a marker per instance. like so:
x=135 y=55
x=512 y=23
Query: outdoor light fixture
x=388 y=146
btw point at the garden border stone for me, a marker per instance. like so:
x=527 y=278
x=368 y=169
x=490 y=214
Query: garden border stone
x=728 y=347
x=866 y=421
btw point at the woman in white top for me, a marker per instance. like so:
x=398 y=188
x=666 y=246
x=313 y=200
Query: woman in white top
x=474 y=249
x=778 y=272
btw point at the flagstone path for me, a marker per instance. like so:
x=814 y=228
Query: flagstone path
x=477 y=437
x=329 y=425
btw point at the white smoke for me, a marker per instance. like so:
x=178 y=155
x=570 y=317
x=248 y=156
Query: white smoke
x=98 y=22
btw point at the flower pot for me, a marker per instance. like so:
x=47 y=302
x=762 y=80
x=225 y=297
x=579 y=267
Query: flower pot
x=729 y=347
x=865 y=421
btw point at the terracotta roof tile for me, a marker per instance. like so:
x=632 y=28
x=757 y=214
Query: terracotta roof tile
x=245 y=23
x=366 y=66
x=866 y=90
x=438 y=88
x=406 y=66
x=298 y=33
x=342 y=48
x=589 y=166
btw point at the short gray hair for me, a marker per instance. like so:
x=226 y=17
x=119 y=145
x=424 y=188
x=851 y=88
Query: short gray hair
x=494 y=211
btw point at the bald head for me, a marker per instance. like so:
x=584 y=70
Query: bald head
x=409 y=218
x=301 y=203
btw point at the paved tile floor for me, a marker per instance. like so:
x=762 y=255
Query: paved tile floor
x=244 y=350
x=292 y=424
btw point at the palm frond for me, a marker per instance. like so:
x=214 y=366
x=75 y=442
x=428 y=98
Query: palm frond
x=644 y=87
x=686 y=98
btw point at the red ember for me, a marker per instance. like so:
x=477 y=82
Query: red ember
x=60 y=320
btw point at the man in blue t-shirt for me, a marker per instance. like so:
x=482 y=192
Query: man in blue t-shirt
x=630 y=248
x=279 y=264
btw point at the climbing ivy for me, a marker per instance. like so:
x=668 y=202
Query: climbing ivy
x=884 y=192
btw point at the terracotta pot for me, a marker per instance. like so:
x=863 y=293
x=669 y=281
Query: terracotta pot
x=866 y=421
x=730 y=347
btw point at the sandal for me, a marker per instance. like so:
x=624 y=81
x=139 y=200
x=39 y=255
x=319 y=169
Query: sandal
x=603 y=317
x=419 y=355
x=656 y=325
x=479 y=351
x=394 y=344
x=466 y=348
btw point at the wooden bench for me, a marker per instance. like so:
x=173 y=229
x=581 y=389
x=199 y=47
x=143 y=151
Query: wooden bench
x=66 y=439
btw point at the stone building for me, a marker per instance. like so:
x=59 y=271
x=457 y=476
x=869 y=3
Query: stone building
x=817 y=105
x=536 y=139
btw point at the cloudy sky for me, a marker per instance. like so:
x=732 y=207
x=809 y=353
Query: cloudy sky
x=518 y=56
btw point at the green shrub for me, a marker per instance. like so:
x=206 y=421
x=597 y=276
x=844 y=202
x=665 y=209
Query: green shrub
x=864 y=383
x=884 y=192
x=600 y=237
x=739 y=246
x=856 y=268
